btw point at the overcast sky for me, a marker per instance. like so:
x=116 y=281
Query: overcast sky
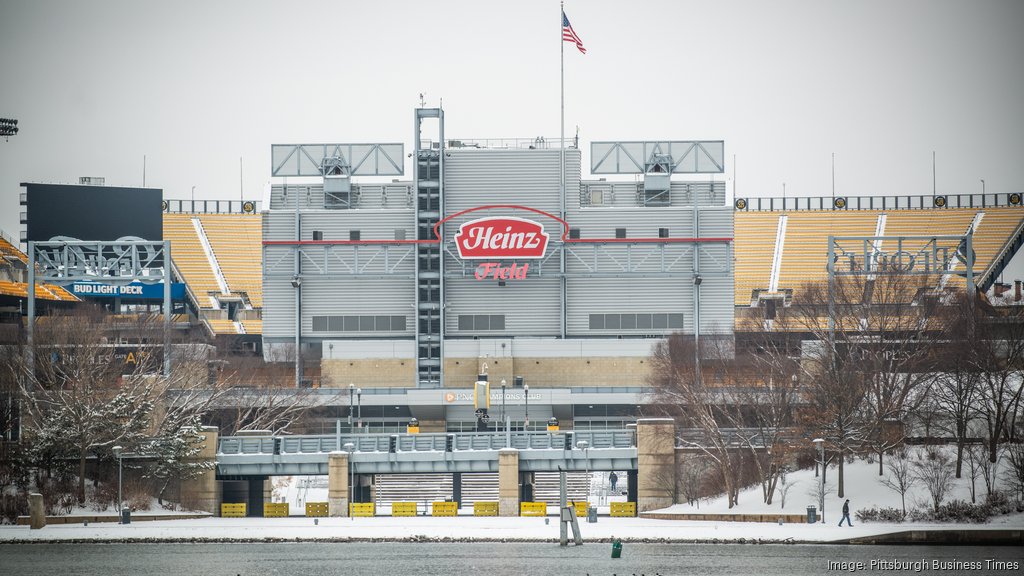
x=194 y=85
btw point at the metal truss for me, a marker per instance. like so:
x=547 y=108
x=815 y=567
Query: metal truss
x=349 y=159
x=121 y=261
x=614 y=259
x=684 y=157
x=905 y=255
x=393 y=259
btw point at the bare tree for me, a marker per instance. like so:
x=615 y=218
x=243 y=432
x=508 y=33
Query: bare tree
x=82 y=394
x=901 y=476
x=977 y=462
x=934 y=470
x=688 y=389
x=1015 y=471
x=955 y=391
x=999 y=360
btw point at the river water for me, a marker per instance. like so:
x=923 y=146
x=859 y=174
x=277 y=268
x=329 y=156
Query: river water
x=492 y=559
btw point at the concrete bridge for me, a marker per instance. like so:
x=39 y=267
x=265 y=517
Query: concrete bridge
x=648 y=455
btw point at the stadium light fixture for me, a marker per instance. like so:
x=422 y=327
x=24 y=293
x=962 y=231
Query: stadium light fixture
x=8 y=127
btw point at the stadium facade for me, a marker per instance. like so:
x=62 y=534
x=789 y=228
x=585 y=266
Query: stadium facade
x=492 y=261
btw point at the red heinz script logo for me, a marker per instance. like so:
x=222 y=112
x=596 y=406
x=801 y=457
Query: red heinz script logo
x=501 y=237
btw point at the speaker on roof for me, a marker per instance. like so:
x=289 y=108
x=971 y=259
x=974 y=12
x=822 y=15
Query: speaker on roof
x=741 y=204
x=839 y=203
x=939 y=201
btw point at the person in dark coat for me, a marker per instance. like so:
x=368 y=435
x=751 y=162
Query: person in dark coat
x=613 y=478
x=846 y=514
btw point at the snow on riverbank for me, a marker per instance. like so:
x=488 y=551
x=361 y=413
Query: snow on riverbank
x=460 y=528
x=863 y=488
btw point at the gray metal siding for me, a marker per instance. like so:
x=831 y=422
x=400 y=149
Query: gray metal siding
x=357 y=297
x=588 y=296
x=530 y=307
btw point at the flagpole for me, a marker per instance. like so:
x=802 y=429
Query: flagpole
x=561 y=154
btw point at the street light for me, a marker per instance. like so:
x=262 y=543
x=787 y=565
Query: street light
x=351 y=403
x=982 y=186
x=526 y=397
x=503 y=401
x=118 y=451
x=583 y=445
x=820 y=443
x=359 y=407
x=350 y=448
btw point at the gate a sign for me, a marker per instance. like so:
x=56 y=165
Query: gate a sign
x=500 y=238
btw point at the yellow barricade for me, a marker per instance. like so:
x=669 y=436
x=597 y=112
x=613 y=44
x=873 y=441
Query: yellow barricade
x=533 y=508
x=232 y=510
x=272 y=510
x=317 y=509
x=365 y=509
x=581 y=508
x=444 y=509
x=623 y=509
x=485 y=508
x=403 y=509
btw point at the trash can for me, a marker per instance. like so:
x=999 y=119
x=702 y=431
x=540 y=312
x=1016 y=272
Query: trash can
x=126 y=515
x=812 y=514
x=592 y=515
x=616 y=549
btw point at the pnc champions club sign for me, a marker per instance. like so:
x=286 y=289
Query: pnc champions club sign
x=494 y=240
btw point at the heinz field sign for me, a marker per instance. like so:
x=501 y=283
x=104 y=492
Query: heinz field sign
x=501 y=238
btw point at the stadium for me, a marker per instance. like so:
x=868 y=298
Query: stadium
x=503 y=287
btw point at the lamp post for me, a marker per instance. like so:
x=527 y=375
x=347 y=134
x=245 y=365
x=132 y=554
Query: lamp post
x=359 y=407
x=583 y=445
x=350 y=448
x=502 y=401
x=820 y=443
x=351 y=403
x=118 y=452
x=526 y=397
x=982 y=186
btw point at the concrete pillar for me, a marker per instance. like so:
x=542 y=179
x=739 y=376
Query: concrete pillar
x=204 y=491
x=656 y=463
x=508 y=482
x=337 y=484
x=36 y=512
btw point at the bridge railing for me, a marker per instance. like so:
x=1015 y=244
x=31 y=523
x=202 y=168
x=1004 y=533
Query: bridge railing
x=595 y=439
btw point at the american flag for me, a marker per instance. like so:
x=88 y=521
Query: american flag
x=569 y=35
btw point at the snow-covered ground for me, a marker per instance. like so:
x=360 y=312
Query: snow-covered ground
x=863 y=488
x=463 y=527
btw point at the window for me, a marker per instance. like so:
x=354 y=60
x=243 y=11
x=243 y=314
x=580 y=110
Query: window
x=480 y=322
x=353 y=234
x=620 y=232
x=574 y=233
x=318 y=235
x=662 y=232
x=596 y=197
x=643 y=321
x=359 y=323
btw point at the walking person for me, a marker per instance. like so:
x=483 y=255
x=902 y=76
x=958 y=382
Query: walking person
x=846 y=514
x=613 y=478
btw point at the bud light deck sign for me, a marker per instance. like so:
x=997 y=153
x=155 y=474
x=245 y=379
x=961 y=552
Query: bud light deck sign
x=135 y=290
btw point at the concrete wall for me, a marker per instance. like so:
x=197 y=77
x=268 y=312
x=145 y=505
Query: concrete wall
x=656 y=463
x=204 y=491
x=462 y=372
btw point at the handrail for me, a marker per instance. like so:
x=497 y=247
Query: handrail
x=437 y=442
